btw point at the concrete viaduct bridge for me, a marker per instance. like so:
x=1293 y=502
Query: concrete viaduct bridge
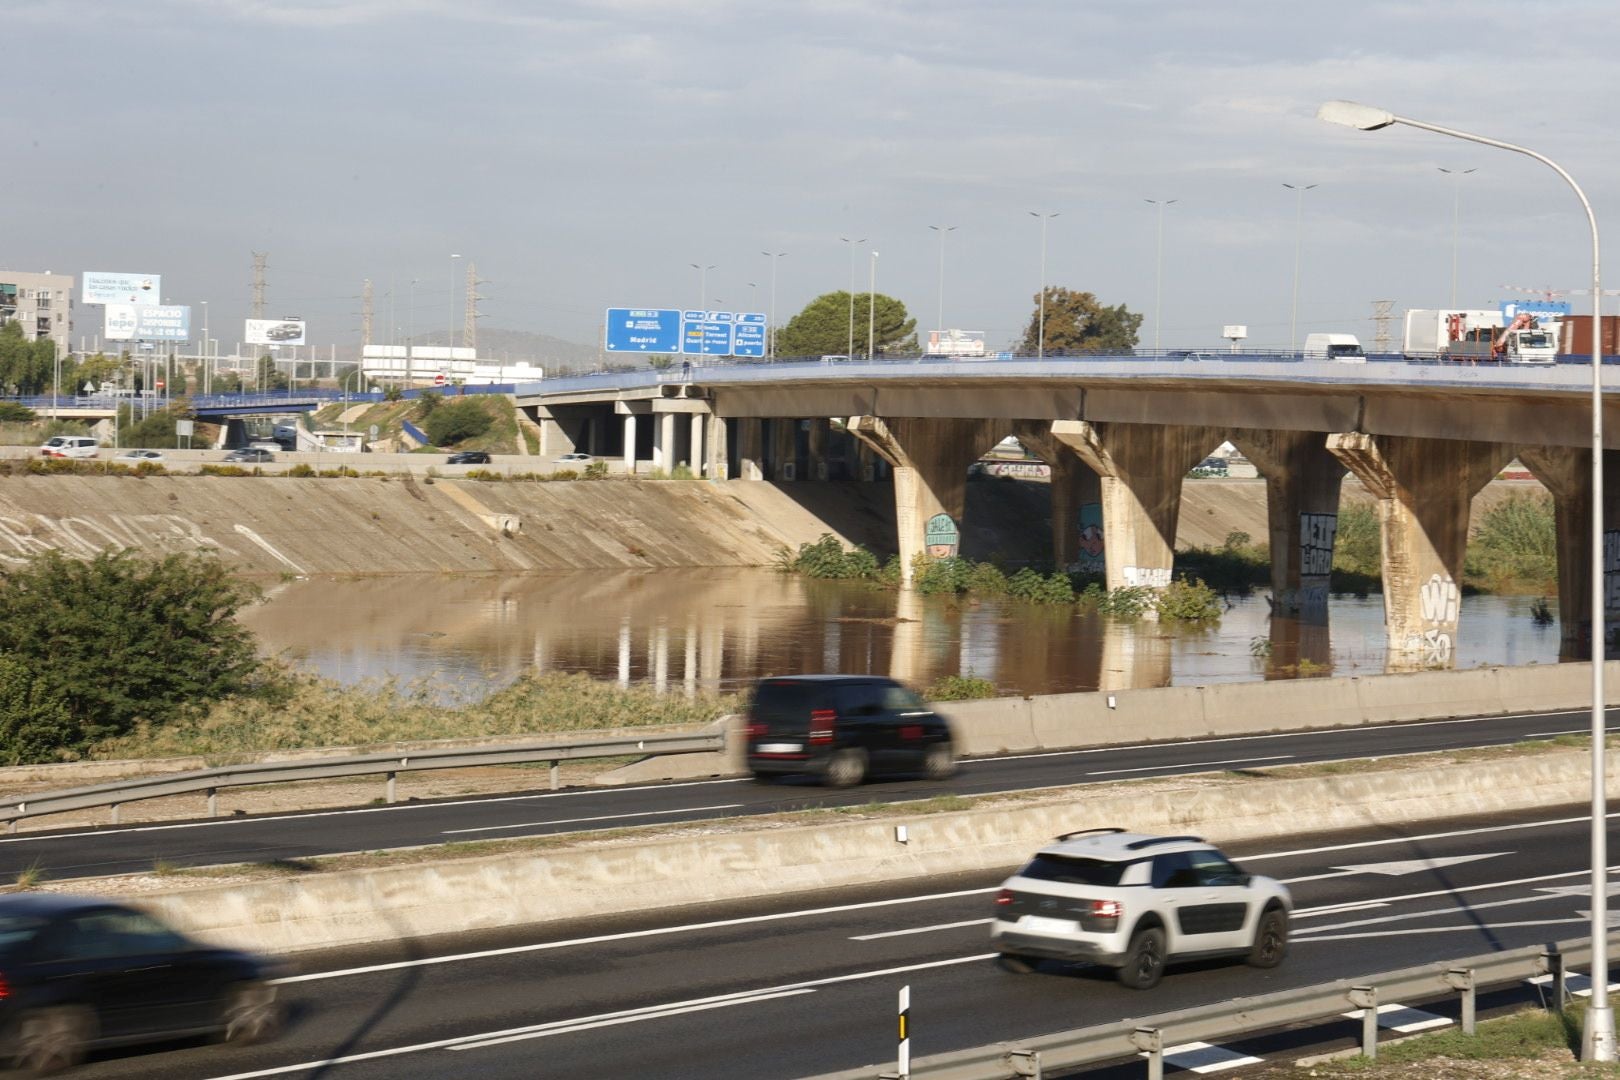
x=1120 y=433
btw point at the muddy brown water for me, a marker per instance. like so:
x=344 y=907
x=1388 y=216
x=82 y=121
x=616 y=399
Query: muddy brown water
x=718 y=628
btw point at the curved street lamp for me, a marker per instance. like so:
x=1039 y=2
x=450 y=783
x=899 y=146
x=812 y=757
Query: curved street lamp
x=1299 y=245
x=1158 y=268
x=1597 y=1034
x=1040 y=333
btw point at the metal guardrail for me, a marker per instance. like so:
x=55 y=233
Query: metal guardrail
x=1150 y=1036
x=388 y=765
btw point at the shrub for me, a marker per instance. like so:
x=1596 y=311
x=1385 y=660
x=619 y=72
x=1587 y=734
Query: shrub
x=967 y=687
x=449 y=424
x=827 y=559
x=1125 y=602
x=1185 y=600
x=986 y=579
x=937 y=577
x=569 y=474
x=427 y=401
x=1034 y=587
x=596 y=470
x=301 y=469
x=92 y=648
x=15 y=411
x=1515 y=547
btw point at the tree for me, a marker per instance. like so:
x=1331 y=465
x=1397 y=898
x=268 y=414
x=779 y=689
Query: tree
x=156 y=431
x=1076 y=322
x=89 y=649
x=461 y=419
x=822 y=328
x=270 y=376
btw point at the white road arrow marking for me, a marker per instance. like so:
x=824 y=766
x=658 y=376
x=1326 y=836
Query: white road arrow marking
x=1399 y=867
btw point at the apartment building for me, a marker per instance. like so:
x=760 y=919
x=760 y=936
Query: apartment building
x=42 y=303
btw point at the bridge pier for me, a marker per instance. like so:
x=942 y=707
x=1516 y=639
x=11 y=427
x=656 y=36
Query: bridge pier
x=1302 y=510
x=1566 y=472
x=694 y=444
x=1141 y=467
x=750 y=448
x=784 y=449
x=930 y=459
x=1423 y=487
x=717 y=450
x=1077 y=538
x=816 y=463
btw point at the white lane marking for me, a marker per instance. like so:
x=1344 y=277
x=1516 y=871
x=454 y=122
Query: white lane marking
x=310 y=814
x=582 y=820
x=1554 y=734
x=568 y=1027
x=922 y=929
x=1451 y=834
x=1202 y=1057
x=1470 y=927
x=1400 y=867
x=1193 y=765
x=1404 y=1018
x=1454 y=909
x=741 y=998
x=627 y=935
x=1577 y=984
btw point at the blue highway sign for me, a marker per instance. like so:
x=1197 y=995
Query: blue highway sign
x=649 y=330
x=749 y=337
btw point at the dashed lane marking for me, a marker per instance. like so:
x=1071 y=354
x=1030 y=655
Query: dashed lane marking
x=1202 y=1057
x=1404 y=1019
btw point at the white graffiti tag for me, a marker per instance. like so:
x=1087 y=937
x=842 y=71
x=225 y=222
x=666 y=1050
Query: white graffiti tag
x=1155 y=576
x=1433 y=646
x=1438 y=600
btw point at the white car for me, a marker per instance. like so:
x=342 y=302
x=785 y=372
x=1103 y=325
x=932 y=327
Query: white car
x=1134 y=903
x=69 y=446
x=139 y=456
x=570 y=459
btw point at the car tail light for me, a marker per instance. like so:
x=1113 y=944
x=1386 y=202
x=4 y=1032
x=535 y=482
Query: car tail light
x=1107 y=910
x=5 y=988
x=911 y=732
x=821 y=725
x=1004 y=897
x=754 y=729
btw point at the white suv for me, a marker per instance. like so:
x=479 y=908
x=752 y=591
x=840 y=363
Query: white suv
x=1134 y=902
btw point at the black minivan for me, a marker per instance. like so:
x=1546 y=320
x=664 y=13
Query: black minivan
x=843 y=728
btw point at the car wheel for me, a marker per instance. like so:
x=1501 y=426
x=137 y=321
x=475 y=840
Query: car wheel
x=1270 y=939
x=940 y=761
x=1144 y=960
x=1017 y=965
x=251 y=1014
x=847 y=768
x=50 y=1040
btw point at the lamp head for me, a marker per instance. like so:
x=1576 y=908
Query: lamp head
x=1351 y=114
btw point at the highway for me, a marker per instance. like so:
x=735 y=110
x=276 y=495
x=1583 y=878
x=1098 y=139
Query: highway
x=110 y=850
x=803 y=985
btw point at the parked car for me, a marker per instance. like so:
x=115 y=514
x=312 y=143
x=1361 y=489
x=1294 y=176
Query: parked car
x=82 y=974
x=570 y=459
x=1134 y=902
x=843 y=728
x=139 y=456
x=254 y=454
x=69 y=446
x=468 y=457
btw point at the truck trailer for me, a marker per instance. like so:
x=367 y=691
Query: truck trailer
x=1437 y=334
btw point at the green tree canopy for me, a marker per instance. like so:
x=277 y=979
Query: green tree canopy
x=1077 y=322
x=464 y=418
x=89 y=649
x=26 y=367
x=823 y=327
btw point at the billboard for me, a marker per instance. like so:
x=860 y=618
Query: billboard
x=103 y=288
x=274 y=332
x=148 y=322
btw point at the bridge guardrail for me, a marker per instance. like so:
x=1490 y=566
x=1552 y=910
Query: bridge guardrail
x=1149 y=1036
x=390 y=765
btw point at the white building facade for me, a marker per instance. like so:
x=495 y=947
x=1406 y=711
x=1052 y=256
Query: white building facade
x=42 y=303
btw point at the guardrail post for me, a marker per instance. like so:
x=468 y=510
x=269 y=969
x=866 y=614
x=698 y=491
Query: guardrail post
x=1151 y=1042
x=1365 y=998
x=115 y=813
x=1025 y=1063
x=390 y=786
x=213 y=802
x=1463 y=979
x=1552 y=962
x=556 y=775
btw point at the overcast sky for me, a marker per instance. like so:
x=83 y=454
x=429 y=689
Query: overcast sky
x=584 y=154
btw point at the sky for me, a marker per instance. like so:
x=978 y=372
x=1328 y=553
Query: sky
x=584 y=154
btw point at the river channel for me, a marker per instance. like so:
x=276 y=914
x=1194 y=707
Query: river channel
x=716 y=629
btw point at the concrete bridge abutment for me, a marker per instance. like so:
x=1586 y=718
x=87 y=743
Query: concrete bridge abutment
x=1140 y=467
x=1077 y=534
x=1566 y=472
x=1302 y=510
x=1423 y=487
x=930 y=459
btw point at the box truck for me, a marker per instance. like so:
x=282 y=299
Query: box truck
x=1437 y=334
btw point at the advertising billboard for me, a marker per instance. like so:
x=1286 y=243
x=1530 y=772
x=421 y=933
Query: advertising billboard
x=148 y=322
x=103 y=288
x=274 y=332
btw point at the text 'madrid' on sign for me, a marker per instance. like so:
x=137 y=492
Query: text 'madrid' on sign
x=688 y=332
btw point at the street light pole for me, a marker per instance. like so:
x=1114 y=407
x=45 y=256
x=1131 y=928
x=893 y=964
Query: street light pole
x=1299 y=246
x=208 y=380
x=450 y=334
x=1456 y=211
x=771 y=342
x=1158 y=269
x=849 y=349
x=871 y=309
x=1597 y=1034
x=939 y=326
x=703 y=306
x=1040 y=333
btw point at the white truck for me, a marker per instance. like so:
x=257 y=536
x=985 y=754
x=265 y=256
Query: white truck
x=1433 y=334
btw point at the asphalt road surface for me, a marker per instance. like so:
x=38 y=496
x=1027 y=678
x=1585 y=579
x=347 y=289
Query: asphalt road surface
x=109 y=850
x=805 y=985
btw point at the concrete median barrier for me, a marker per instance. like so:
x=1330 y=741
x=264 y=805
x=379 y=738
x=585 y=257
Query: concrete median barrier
x=596 y=877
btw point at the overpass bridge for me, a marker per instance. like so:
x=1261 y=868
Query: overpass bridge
x=1119 y=433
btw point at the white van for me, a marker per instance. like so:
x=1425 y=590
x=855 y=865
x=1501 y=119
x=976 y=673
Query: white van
x=1341 y=347
x=69 y=446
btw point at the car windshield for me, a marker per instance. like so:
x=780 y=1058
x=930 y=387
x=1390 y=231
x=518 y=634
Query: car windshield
x=1071 y=870
x=17 y=931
